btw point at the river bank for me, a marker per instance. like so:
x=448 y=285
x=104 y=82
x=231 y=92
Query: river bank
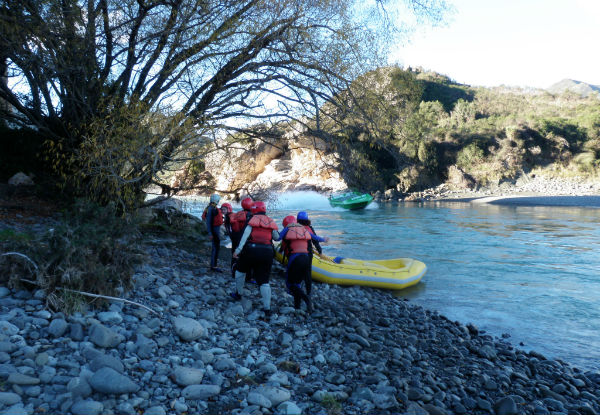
x=532 y=191
x=361 y=351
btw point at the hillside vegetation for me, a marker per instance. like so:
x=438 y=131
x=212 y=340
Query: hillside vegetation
x=424 y=129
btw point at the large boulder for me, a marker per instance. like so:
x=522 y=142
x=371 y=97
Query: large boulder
x=20 y=179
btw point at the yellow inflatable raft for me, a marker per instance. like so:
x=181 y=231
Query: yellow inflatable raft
x=392 y=274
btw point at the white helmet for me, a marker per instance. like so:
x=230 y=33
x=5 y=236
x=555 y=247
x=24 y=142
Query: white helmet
x=214 y=198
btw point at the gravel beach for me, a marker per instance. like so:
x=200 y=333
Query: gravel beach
x=361 y=351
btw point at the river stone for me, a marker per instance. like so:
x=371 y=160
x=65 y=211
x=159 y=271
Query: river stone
x=185 y=376
x=332 y=357
x=145 y=347
x=505 y=406
x=384 y=401
x=200 y=392
x=109 y=381
x=4 y=292
x=110 y=317
x=188 y=329
x=8 y=328
x=79 y=387
x=8 y=347
x=9 y=398
x=280 y=378
x=76 y=332
x=414 y=408
x=289 y=408
x=42 y=359
x=58 y=327
x=484 y=404
x=224 y=364
x=87 y=408
x=20 y=379
x=16 y=409
x=255 y=398
x=434 y=410
x=155 y=410
x=487 y=352
x=102 y=336
x=335 y=378
x=274 y=394
x=43 y=314
x=358 y=339
x=104 y=360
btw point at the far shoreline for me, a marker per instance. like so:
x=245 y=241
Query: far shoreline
x=583 y=201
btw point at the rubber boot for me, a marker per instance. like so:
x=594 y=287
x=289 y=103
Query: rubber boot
x=265 y=292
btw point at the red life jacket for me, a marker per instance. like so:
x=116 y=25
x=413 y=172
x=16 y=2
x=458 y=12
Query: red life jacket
x=217 y=219
x=238 y=220
x=296 y=239
x=262 y=225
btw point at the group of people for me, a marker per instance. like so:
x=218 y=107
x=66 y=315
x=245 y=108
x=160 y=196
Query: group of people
x=252 y=233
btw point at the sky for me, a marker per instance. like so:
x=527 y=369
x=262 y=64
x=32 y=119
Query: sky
x=526 y=43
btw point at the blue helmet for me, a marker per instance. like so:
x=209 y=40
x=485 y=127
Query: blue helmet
x=302 y=216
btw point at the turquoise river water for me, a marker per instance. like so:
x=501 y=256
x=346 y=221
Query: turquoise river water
x=530 y=272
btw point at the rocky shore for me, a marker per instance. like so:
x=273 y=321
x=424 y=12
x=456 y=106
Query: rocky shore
x=525 y=186
x=361 y=351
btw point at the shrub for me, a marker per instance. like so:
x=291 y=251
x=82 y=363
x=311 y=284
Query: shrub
x=91 y=250
x=470 y=156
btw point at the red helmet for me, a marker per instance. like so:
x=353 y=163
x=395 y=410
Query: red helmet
x=258 y=207
x=227 y=206
x=247 y=203
x=288 y=219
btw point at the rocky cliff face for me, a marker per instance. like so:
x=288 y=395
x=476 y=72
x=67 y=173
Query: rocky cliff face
x=293 y=162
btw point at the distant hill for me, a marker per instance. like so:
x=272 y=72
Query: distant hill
x=577 y=87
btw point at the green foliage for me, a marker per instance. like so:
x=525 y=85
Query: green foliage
x=470 y=156
x=331 y=404
x=427 y=123
x=93 y=249
x=9 y=235
x=446 y=93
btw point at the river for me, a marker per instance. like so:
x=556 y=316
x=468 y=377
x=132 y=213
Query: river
x=528 y=272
